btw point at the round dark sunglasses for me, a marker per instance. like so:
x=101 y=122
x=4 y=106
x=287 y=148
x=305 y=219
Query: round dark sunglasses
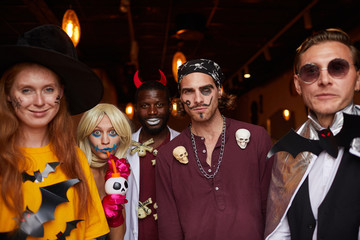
x=337 y=68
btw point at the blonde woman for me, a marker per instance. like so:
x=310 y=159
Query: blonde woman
x=104 y=129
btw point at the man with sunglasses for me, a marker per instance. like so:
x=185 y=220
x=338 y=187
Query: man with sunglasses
x=314 y=193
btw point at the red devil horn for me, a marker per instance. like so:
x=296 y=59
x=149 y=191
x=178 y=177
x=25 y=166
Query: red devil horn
x=163 y=78
x=137 y=81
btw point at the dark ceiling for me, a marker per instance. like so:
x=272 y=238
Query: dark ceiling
x=259 y=34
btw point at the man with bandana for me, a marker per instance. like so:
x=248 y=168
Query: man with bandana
x=212 y=181
x=314 y=191
x=152 y=108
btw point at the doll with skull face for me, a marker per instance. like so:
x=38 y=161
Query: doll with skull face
x=116 y=186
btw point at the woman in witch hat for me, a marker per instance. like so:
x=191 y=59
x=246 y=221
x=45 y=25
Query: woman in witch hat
x=47 y=189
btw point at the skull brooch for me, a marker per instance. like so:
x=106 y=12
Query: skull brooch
x=242 y=137
x=181 y=154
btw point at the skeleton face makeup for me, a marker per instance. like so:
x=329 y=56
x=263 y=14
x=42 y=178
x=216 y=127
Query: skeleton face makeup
x=104 y=138
x=181 y=154
x=242 y=137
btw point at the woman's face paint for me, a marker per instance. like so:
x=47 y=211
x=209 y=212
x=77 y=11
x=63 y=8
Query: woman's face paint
x=104 y=150
x=16 y=102
x=104 y=139
x=57 y=100
x=33 y=95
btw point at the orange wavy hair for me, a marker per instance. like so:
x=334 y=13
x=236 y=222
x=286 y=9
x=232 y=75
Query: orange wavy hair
x=13 y=162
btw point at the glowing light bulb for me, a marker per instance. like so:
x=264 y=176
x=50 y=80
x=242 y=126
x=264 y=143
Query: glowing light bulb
x=286 y=114
x=71 y=26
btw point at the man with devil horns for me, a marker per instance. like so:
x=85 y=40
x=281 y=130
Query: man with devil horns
x=152 y=108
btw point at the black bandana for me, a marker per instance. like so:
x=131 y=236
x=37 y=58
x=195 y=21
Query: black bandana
x=206 y=66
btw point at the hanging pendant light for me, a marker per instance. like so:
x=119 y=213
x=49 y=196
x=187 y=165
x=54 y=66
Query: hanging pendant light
x=129 y=110
x=71 y=26
x=286 y=114
x=178 y=60
x=246 y=72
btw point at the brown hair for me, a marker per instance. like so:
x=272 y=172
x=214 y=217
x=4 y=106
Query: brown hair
x=227 y=101
x=331 y=34
x=12 y=160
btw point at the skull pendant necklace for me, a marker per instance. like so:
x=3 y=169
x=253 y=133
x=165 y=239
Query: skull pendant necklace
x=209 y=176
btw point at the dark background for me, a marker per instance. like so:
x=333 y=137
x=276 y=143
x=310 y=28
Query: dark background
x=234 y=33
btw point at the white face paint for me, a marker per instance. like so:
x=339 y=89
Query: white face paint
x=181 y=154
x=153 y=121
x=242 y=137
x=116 y=185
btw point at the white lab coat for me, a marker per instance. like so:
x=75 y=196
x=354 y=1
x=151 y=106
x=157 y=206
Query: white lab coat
x=132 y=195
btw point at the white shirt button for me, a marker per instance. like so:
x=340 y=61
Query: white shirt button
x=209 y=170
x=204 y=151
x=216 y=188
x=202 y=138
